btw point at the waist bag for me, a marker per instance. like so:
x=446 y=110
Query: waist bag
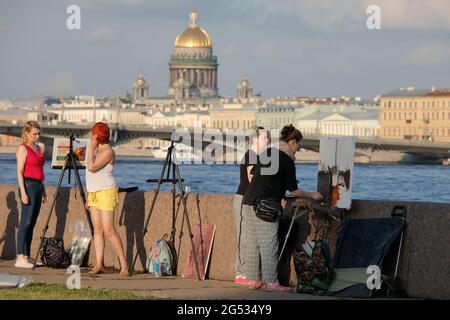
x=268 y=210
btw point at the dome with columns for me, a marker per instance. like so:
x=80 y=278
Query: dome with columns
x=194 y=62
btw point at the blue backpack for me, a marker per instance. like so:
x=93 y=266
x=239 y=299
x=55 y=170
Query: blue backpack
x=162 y=259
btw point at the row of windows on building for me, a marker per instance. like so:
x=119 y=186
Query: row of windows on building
x=162 y=123
x=360 y=132
x=414 y=104
x=391 y=131
x=276 y=121
x=410 y=115
x=83 y=117
x=183 y=123
x=131 y=119
x=123 y=117
x=103 y=117
x=190 y=54
x=277 y=110
x=238 y=124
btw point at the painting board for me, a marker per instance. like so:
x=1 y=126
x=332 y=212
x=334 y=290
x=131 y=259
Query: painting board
x=336 y=158
x=61 y=147
x=203 y=242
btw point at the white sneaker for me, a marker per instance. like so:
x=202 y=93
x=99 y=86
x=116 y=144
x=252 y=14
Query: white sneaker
x=23 y=264
x=38 y=264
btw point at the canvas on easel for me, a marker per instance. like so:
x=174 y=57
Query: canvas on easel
x=61 y=147
x=336 y=171
x=203 y=242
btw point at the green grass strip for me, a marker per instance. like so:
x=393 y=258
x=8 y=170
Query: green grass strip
x=42 y=291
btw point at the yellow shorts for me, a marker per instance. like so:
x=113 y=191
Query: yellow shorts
x=105 y=200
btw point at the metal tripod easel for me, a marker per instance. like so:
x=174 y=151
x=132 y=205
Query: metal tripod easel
x=169 y=164
x=296 y=215
x=69 y=164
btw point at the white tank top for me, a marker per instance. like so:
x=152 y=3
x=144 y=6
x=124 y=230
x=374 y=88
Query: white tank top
x=103 y=179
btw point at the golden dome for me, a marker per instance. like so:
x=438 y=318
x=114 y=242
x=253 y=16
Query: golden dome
x=193 y=36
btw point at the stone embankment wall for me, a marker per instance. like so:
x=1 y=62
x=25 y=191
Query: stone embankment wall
x=424 y=261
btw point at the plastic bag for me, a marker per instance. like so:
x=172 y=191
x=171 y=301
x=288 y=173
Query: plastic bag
x=25 y=281
x=12 y=281
x=81 y=237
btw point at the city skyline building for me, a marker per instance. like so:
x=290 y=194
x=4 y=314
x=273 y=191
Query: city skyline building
x=416 y=114
x=141 y=90
x=244 y=89
x=193 y=67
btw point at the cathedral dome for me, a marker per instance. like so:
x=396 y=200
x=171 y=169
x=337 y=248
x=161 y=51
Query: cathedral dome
x=193 y=36
x=244 y=83
x=140 y=81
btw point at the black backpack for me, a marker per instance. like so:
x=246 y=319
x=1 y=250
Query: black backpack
x=53 y=254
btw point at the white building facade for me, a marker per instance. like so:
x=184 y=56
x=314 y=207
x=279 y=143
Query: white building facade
x=361 y=124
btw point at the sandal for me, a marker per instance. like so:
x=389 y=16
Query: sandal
x=96 y=270
x=124 y=272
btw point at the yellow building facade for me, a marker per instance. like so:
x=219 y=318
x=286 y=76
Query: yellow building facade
x=416 y=115
x=233 y=116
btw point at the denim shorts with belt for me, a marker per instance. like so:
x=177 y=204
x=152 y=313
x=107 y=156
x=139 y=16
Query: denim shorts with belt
x=34 y=189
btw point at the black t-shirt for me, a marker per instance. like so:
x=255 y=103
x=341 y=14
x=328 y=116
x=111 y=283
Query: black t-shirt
x=273 y=186
x=250 y=158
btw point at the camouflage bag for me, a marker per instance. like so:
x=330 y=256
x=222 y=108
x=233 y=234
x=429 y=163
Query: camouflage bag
x=312 y=263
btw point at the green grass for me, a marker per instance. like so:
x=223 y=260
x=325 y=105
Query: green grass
x=41 y=291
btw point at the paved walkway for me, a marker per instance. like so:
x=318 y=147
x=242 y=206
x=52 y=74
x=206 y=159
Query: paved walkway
x=165 y=288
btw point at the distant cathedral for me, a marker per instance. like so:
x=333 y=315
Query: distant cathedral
x=140 y=90
x=244 y=90
x=192 y=67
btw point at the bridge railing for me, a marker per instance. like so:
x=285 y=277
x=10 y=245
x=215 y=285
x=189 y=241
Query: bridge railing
x=164 y=132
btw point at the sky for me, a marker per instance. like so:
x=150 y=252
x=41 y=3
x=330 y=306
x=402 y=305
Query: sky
x=314 y=48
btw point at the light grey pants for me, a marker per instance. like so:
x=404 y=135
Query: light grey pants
x=260 y=241
x=239 y=261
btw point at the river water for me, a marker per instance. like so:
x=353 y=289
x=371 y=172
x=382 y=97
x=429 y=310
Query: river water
x=409 y=182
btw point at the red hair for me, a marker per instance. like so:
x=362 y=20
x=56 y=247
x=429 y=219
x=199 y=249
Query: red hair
x=102 y=131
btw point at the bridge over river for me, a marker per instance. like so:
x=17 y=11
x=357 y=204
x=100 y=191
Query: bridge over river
x=124 y=133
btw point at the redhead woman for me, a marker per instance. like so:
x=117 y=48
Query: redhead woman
x=103 y=196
